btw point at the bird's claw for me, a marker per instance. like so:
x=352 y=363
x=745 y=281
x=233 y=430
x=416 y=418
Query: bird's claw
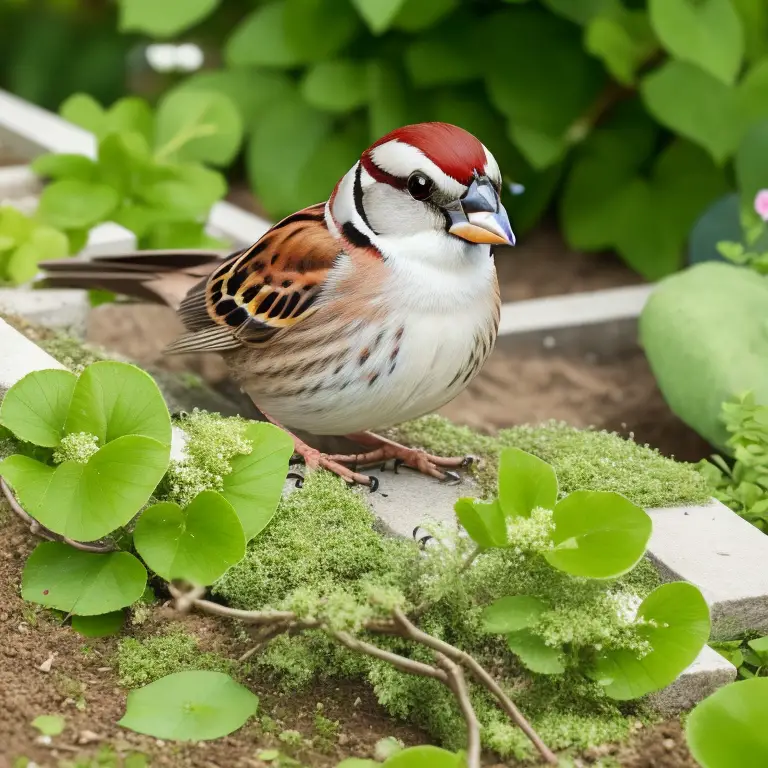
x=451 y=477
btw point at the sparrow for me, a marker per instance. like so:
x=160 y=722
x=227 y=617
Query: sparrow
x=353 y=315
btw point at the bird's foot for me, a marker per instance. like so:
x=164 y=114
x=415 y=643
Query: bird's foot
x=314 y=459
x=383 y=450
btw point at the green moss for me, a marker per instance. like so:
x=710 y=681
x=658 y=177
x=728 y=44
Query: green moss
x=140 y=662
x=583 y=459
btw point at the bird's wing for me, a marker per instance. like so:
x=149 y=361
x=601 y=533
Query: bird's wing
x=262 y=290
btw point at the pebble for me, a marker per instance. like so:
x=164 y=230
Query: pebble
x=668 y=744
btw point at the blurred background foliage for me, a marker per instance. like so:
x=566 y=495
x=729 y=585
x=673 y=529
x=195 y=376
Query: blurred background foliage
x=629 y=119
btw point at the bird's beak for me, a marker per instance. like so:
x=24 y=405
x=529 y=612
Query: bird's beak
x=479 y=216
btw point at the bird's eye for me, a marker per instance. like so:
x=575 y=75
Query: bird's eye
x=420 y=186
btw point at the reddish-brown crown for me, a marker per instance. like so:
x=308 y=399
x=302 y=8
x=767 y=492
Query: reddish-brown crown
x=455 y=151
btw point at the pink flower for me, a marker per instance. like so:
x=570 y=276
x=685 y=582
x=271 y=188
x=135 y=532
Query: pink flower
x=761 y=204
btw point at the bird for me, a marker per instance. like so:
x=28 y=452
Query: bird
x=353 y=315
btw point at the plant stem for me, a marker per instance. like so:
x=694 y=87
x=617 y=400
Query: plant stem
x=458 y=685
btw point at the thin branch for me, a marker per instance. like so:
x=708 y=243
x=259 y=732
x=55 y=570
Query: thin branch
x=414 y=633
x=467 y=564
x=45 y=533
x=458 y=685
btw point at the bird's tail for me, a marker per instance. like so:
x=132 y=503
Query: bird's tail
x=159 y=277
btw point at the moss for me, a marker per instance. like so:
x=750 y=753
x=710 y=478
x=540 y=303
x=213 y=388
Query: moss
x=140 y=662
x=583 y=459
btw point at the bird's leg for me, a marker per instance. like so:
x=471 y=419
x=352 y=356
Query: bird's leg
x=383 y=449
x=314 y=459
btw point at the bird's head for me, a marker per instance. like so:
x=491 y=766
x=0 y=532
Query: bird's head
x=427 y=192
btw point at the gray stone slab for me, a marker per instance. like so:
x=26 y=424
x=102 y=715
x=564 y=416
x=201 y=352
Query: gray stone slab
x=50 y=308
x=722 y=554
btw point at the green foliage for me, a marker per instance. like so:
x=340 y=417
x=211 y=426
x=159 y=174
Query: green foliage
x=749 y=656
x=743 y=486
x=149 y=174
x=189 y=706
x=197 y=543
x=705 y=348
x=101 y=625
x=143 y=661
x=163 y=19
x=728 y=729
x=582 y=459
x=84 y=583
x=525 y=482
x=49 y=725
x=25 y=241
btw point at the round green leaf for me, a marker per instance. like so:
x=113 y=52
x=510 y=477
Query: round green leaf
x=727 y=729
x=202 y=125
x=598 y=534
x=707 y=33
x=111 y=400
x=45 y=243
x=65 y=167
x=721 y=221
x=49 y=725
x=582 y=11
x=442 y=57
x=59 y=576
x=535 y=654
x=102 y=625
x=255 y=484
x=525 y=482
x=35 y=408
x=425 y=757
x=675 y=621
x=752 y=162
x=88 y=501
x=510 y=614
x=319 y=28
x=417 y=15
x=483 y=521
x=198 y=543
x=163 y=19
x=261 y=40
x=72 y=204
x=83 y=110
x=189 y=195
x=336 y=86
x=189 y=706
x=378 y=14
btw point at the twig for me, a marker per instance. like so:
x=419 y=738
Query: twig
x=45 y=533
x=467 y=564
x=448 y=656
x=414 y=633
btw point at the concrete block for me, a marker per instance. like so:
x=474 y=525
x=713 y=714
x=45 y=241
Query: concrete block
x=50 y=308
x=709 y=672
x=723 y=555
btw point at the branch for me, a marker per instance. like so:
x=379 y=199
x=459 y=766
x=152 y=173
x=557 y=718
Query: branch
x=45 y=533
x=458 y=685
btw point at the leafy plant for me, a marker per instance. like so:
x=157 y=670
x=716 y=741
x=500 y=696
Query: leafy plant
x=743 y=484
x=727 y=728
x=151 y=171
x=24 y=241
x=606 y=107
x=755 y=253
x=749 y=656
x=412 y=757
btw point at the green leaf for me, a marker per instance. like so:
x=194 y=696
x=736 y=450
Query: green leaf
x=131 y=115
x=336 y=86
x=188 y=195
x=355 y=762
x=72 y=204
x=319 y=28
x=88 y=501
x=598 y=534
x=425 y=757
x=443 y=56
x=387 y=96
x=15 y=225
x=378 y=14
x=49 y=725
x=102 y=625
x=163 y=19
x=416 y=15
x=703 y=347
x=255 y=484
x=65 y=167
x=203 y=126
x=674 y=619
x=754 y=22
x=752 y=162
x=189 y=706
x=35 y=407
x=525 y=482
x=280 y=147
x=535 y=654
x=59 y=576
x=261 y=40
x=510 y=614
x=727 y=729
x=706 y=33
x=760 y=647
x=483 y=521
x=111 y=400
x=181 y=234
x=198 y=543
x=623 y=41
x=696 y=104
x=83 y=110
x=583 y=11
x=45 y=243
